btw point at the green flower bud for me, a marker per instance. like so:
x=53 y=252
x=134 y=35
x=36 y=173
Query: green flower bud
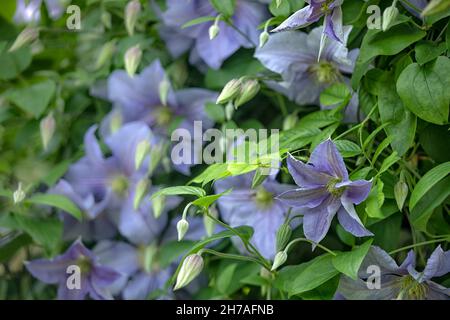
x=389 y=16
x=290 y=121
x=283 y=236
x=182 y=228
x=19 y=194
x=280 y=259
x=263 y=38
x=132 y=59
x=106 y=19
x=249 y=90
x=190 y=269
x=213 y=31
x=229 y=110
x=106 y=53
x=132 y=11
x=141 y=189
x=47 y=128
x=400 y=193
x=278 y=2
x=27 y=36
x=164 y=87
x=116 y=122
x=230 y=91
x=142 y=149
x=209 y=223
x=158 y=204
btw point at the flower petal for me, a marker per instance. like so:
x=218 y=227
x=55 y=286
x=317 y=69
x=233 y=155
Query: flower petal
x=437 y=265
x=333 y=25
x=355 y=191
x=306 y=175
x=299 y=19
x=304 y=197
x=351 y=222
x=317 y=221
x=326 y=158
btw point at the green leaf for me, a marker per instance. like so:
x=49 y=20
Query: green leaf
x=225 y=276
x=8 y=9
x=33 y=99
x=306 y=276
x=180 y=190
x=297 y=138
x=335 y=94
x=206 y=201
x=57 y=201
x=423 y=210
x=13 y=63
x=424 y=90
x=428 y=181
x=349 y=262
x=215 y=112
x=225 y=7
x=10 y=246
x=172 y=251
x=427 y=51
x=347 y=148
x=197 y=21
x=388 y=162
x=237 y=169
x=375 y=201
x=213 y=172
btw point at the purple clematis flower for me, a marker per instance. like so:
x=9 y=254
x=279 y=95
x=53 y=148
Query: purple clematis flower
x=94 y=277
x=294 y=56
x=30 y=11
x=140 y=264
x=101 y=186
x=248 y=15
x=325 y=189
x=330 y=9
x=399 y=282
x=257 y=208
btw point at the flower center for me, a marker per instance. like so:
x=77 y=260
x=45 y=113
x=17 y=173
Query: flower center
x=84 y=264
x=119 y=184
x=411 y=289
x=149 y=258
x=324 y=72
x=331 y=187
x=263 y=197
x=163 y=115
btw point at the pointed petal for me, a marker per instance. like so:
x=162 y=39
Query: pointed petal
x=378 y=257
x=304 y=197
x=351 y=222
x=317 y=221
x=299 y=19
x=333 y=25
x=409 y=262
x=438 y=264
x=93 y=151
x=64 y=293
x=356 y=191
x=326 y=158
x=306 y=175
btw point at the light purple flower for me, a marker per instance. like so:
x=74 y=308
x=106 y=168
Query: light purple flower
x=330 y=9
x=30 y=11
x=257 y=208
x=294 y=55
x=402 y=282
x=95 y=278
x=247 y=17
x=324 y=190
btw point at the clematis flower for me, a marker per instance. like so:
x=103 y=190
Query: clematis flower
x=324 y=190
x=294 y=55
x=257 y=208
x=30 y=11
x=140 y=264
x=330 y=9
x=402 y=282
x=94 y=277
x=101 y=186
x=248 y=15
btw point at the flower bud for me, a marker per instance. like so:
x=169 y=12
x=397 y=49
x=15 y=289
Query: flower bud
x=249 y=90
x=278 y=2
x=230 y=91
x=19 y=194
x=280 y=259
x=263 y=38
x=132 y=59
x=27 y=36
x=190 y=269
x=132 y=11
x=164 y=87
x=283 y=236
x=106 y=19
x=158 y=204
x=389 y=16
x=105 y=54
x=116 y=122
x=141 y=189
x=290 y=121
x=182 y=228
x=229 y=110
x=400 y=193
x=209 y=223
x=47 y=128
x=213 y=31
x=142 y=149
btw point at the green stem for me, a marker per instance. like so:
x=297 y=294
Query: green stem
x=418 y=245
x=232 y=256
x=311 y=242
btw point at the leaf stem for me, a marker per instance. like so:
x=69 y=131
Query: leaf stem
x=419 y=244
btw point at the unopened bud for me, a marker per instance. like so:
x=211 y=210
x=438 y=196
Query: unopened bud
x=290 y=121
x=116 y=122
x=142 y=150
x=229 y=110
x=105 y=54
x=47 y=127
x=164 y=87
x=278 y=2
x=132 y=11
x=141 y=189
x=158 y=204
x=230 y=91
x=280 y=259
x=209 y=223
x=132 y=59
x=182 y=228
x=27 y=36
x=400 y=193
x=213 y=31
x=19 y=194
x=106 y=19
x=283 y=236
x=249 y=90
x=190 y=269
x=389 y=16
x=263 y=38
